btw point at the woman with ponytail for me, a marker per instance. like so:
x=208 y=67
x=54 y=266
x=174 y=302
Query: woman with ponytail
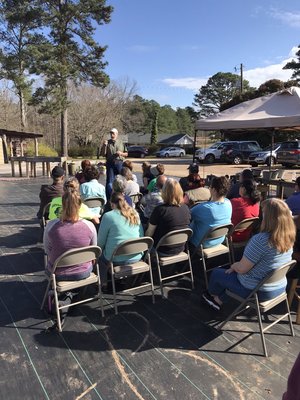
x=246 y=206
x=69 y=232
x=119 y=224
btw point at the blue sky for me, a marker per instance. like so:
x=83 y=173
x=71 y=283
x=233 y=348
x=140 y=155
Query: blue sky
x=170 y=47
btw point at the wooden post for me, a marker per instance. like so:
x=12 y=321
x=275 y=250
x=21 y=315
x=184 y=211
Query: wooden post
x=12 y=163
x=36 y=147
x=20 y=168
x=22 y=148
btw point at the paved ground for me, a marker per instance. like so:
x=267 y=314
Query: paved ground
x=169 y=350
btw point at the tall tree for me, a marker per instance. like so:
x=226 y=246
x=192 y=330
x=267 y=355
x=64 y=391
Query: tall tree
x=184 y=121
x=70 y=55
x=220 y=88
x=154 y=130
x=295 y=66
x=19 y=21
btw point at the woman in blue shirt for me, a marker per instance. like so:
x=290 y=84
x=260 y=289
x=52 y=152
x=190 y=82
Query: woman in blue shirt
x=266 y=251
x=119 y=224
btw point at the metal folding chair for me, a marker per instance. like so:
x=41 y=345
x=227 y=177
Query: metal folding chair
x=171 y=239
x=129 y=248
x=93 y=202
x=45 y=215
x=246 y=224
x=262 y=307
x=217 y=250
x=67 y=259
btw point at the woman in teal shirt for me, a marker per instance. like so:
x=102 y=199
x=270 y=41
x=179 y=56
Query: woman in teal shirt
x=118 y=225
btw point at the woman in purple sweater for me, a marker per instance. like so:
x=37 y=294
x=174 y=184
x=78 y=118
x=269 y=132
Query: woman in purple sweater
x=69 y=232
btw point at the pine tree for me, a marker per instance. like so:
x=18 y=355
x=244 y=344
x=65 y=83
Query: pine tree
x=154 y=131
x=70 y=54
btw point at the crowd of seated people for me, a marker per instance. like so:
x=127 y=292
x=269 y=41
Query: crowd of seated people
x=169 y=205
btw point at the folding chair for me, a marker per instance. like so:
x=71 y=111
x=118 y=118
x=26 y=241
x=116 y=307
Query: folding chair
x=129 y=248
x=45 y=215
x=262 y=307
x=248 y=224
x=68 y=258
x=294 y=292
x=171 y=239
x=214 y=251
x=93 y=202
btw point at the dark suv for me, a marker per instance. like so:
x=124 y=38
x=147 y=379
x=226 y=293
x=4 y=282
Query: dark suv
x=289 y=153
x=238 y=152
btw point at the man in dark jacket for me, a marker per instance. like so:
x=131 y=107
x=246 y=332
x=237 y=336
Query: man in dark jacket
x=48 y=192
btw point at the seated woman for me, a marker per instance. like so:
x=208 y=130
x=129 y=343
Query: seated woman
x=266 y=251
x=129 y=164
x=171 y=215
x=246 y=206
x=80 y=175
x=131 y=186
x=56 y=205
x=146 y=176
x=119 y=224
x=92 y=188
x=69 y=232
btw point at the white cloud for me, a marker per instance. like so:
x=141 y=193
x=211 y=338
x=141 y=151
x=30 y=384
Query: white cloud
x=186 y=83
x=289 y=18
x=140 y=48
x=255 y=76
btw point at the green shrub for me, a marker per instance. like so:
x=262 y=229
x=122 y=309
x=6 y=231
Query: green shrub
x=43 y=150
x=153 y=148
x=82 y=151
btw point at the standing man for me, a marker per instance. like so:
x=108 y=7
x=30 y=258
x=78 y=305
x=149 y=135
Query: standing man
x=114 y=151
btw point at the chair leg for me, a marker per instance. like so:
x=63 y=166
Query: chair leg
x=152 y=286
x=232 y=315
x=261 y=327
x=159 y=275
x=100 y=293
x=114 y=293
x=191 y=271
x=289 y=317
x=204 y=271
x=57 y=310
x=292 y=290
x=46 y=294
x=298 y=313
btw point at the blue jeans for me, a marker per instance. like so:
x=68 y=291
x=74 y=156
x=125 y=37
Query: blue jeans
x=113 y=168
x=220 y=281
x=74 y=277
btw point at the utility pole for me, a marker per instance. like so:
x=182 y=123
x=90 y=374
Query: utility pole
x=242 y=86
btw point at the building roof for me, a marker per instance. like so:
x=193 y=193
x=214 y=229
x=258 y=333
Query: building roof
x=165 y=139
x=20 y=135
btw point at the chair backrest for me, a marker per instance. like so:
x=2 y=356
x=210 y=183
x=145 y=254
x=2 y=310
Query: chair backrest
x=45 y=213
x=217 y=232
x=93 y=202
x=136 y=197
x=175 y=238
x=133 y=246
x=279 y=273
x=245 y=224
x=77 y=256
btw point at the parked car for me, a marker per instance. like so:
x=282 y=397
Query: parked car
x=171 y=152
x=289 y=153
x=210 y=154
x=137 y=151
x=238 y=152
x=266 y=156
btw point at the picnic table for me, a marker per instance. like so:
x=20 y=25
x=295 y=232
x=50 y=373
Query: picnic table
x=31 y=165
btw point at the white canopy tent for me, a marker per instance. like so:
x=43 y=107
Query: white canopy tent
x=277 y=110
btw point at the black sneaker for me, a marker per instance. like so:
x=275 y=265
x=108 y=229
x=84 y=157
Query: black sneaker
x=208 y=298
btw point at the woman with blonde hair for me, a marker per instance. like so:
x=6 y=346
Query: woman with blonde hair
x=119 y=224
x=171 y=215
x=69 y=232
x=265 y=252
